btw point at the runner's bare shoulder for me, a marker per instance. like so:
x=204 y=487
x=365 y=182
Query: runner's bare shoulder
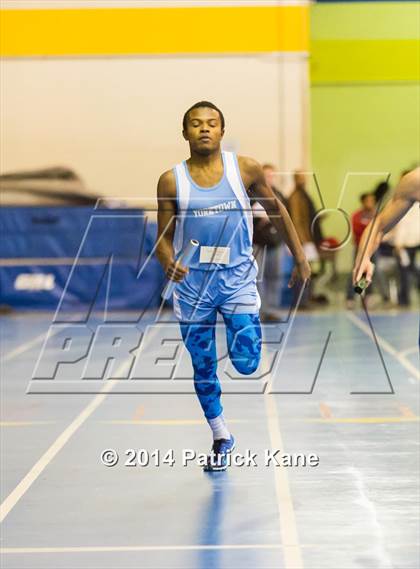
x=250 y=170
x=409 y=187
x=167 y=185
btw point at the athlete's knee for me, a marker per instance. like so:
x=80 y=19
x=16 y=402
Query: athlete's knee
x=245 y=350
x=246 y=366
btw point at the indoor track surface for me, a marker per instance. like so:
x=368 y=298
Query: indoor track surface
x=62 y=508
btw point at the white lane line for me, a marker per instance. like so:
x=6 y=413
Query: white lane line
x=384 y=344
x=23 y=486
x=140 y=548
x=288 y=529
x=409 y=351
x=101 y=549
x=24 y=423
x=16 y=494
x=31 y=343
x=26 y=346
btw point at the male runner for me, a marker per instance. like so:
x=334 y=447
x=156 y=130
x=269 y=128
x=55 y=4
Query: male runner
x=406 y=194
x=207 y=198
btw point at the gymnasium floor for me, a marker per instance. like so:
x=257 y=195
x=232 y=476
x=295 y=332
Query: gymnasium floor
x=61 y=508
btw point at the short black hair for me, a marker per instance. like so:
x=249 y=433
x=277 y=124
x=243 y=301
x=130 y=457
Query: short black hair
x=380 y=191
x=199 y=105
x=365 y=195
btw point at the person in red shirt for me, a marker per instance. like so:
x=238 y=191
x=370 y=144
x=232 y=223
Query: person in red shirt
x=360 y=219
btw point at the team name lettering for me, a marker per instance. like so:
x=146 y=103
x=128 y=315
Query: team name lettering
x=215 y=208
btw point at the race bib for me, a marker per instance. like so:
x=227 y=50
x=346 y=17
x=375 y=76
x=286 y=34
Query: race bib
x=214 y=255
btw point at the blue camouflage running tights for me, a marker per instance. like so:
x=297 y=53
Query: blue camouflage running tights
x=243 y=335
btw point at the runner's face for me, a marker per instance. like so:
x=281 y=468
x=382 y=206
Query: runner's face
x=204 y=130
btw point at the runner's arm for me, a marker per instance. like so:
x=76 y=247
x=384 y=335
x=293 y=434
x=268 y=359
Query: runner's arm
x=276 y=211
x=166 y=194
x=395 y=209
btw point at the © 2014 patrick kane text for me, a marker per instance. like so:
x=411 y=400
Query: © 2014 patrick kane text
x=186 y=457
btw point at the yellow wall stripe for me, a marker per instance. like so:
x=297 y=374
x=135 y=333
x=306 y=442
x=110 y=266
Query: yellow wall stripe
x=344 y=61
x=129 y=31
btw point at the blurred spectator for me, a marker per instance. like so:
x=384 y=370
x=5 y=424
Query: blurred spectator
x=380 y=191
x=328 y=254
x=265 y=234
x=303 y=212
x=267 y=243
x=270 y=176
x=360 y=219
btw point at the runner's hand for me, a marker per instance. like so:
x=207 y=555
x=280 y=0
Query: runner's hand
x=175 y=271
x=366 y=268
x=302 y=271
